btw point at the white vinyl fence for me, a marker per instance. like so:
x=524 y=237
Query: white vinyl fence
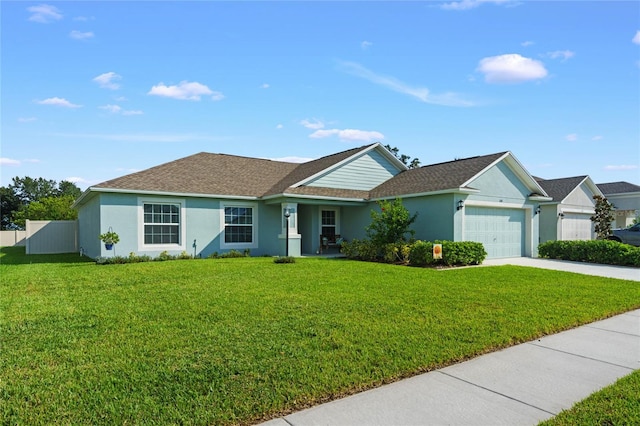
x=13 y=238
x=51 y=236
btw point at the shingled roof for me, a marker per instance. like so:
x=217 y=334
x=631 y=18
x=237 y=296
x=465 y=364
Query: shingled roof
x=559 y=189
x=205 y=173
x=618 y=188
x=222 y=174
x=436 y=177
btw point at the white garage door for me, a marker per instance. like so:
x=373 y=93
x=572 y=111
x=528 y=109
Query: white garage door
x=501 y=231
x=577 y=227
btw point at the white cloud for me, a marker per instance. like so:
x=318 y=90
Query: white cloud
x=527 y=43
x=596 y=138
x=572 y=137
x=108 y=80
x=636 y=38
x=313 y=124
x=26 y=119
x=511 y=68
x=58 y=102
x=265 y=86
x=621 y=167
x=365 y=45
x=44 y=13
x=421 y=93
x=132 y=112
x=114 y=109
x=75 y=179
x=31 y=160
x=350 y=135
x=469 y=4
x=79 y=35
x=279 y=126
x=117 y=109
x=9 y=162
x=563 y=54
x=189 y=91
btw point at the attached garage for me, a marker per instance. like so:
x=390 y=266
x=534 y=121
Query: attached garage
x=500 y=230
x=577 y=226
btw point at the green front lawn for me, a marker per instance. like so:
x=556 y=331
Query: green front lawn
x=238 y=340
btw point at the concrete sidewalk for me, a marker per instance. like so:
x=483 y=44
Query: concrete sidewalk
x=520 y=385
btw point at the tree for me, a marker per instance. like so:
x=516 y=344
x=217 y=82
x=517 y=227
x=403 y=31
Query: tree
x=391 y=224
x=414 y=164
x=603 y=217
x=16 y=198
x=48 y=208
x=9 y=204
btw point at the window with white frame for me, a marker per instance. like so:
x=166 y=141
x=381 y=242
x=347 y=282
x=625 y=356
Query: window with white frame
x=161 y=223
x=238 y=225
x=328 y=223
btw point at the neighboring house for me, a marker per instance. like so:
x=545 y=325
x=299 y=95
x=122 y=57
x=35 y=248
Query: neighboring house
x=209 y=203
x=625 y=198
x=568 y=215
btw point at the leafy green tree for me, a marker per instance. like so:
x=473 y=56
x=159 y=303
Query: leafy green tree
x=68 y=188
x=48 y=208
x=391 y=224
x=413 y=164
x=28 y=189
x=603 y=217
x=16 y=199
x=9 y=204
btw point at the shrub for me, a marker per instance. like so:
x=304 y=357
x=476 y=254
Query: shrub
x=397 y=252
x=391 y=224
x=462 y=252
x=184 y=255
x=421 y=253
x=284 y=259
x=594 y=251
x=164 y=256
x=359 y=250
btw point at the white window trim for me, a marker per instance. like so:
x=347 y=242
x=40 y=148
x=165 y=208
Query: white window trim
x=183 y=225
x=328 y=208
x=229 y=246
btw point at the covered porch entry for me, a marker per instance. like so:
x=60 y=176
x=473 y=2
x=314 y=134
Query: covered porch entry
x=315 y=226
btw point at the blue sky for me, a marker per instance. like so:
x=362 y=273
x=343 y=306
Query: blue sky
x=95 y=90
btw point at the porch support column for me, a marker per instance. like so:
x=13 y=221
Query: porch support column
x=295 y=239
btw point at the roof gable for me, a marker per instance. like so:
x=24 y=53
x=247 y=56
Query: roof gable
x=457 y=175
x=561 y=190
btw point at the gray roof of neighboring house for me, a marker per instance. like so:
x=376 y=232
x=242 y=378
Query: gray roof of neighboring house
x=618 y=188
x=435 y=177
x=559 y=189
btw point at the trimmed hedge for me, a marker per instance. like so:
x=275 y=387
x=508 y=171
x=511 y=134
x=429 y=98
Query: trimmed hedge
x=593 y=251
x=457 y=253
x=417 y=253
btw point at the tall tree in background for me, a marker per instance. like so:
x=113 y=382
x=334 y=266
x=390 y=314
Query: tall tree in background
x=413 y=164
x=603 y=217
x=53 y=201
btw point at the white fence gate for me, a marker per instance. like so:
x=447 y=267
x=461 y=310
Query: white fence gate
x=51 y=236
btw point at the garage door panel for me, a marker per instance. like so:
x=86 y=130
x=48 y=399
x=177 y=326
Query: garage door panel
x=576 y=226
x=501 y=231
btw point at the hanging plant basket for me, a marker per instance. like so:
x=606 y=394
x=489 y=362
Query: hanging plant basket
x=108 y=246
x=109 y=239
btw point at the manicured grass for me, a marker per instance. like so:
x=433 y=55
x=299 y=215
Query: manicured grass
x=238 y=340
x=618 y=404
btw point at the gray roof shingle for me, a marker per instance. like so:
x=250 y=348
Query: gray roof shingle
x=559 y=189
x=435 y=177
x=618 y=188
